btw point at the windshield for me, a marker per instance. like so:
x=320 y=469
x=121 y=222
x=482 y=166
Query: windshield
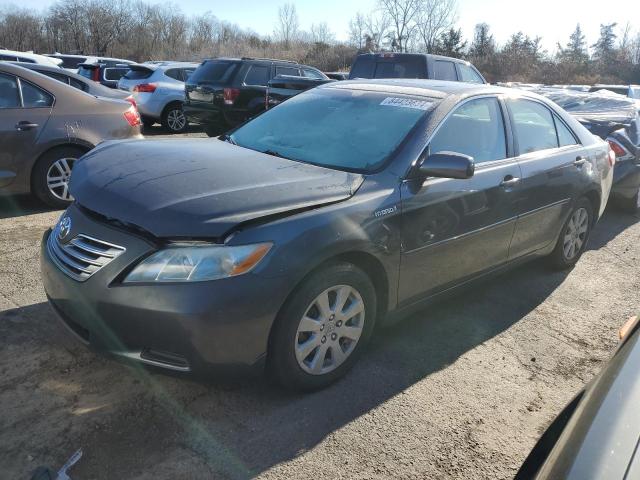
x=343 y=129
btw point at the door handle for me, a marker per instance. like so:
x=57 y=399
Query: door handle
x=24 y=125
x=509 y=181
x=579 y=161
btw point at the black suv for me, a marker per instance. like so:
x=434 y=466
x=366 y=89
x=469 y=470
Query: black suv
x=224 y=92
x=414 y=65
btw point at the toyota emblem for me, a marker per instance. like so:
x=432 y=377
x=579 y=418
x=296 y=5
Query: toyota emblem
x=64 y=227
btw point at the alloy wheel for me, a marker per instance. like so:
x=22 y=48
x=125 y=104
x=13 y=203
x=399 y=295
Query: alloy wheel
x=58 y=177
x=576 y=233
x=329 y=330
x=176 y=120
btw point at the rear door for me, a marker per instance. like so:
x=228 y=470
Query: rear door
x=552 y=165
x=454 y=229
x=24 y=111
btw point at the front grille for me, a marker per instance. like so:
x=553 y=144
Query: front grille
x=82 y=256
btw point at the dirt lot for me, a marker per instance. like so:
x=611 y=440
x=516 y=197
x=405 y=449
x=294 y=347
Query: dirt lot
x=461 y=390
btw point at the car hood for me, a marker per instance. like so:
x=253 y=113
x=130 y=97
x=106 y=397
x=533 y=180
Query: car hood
x=201 y=187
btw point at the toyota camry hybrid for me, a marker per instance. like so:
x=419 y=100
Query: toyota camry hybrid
x=284 y=242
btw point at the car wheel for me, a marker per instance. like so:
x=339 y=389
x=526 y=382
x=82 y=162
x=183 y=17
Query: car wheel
x=51 y=175
x=631 y=205
x=574 y=236
x=173 y=118
x=322 y=329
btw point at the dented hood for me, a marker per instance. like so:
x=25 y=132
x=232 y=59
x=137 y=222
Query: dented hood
x=199 y=187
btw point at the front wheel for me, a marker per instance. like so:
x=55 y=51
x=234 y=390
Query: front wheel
x=323 y=328
x=574 y=235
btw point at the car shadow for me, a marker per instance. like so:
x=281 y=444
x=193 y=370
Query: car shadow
x=611 y=224
x=240 y=429
x=20 y=205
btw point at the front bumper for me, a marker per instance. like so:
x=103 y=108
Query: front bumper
x=626 y=180
x=197 y=327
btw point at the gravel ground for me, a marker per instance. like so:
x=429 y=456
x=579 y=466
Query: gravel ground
x=461 y=390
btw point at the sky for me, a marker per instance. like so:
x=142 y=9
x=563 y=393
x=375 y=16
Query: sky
x=553 y=20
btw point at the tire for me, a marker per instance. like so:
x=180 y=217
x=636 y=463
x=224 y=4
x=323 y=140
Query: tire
x=322 y=365
x=630 y=205
x=214 y=130
x=173 y=118
x=51 y=173
x=563 y=256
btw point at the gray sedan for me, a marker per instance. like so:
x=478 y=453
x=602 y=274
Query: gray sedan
x=45 y=126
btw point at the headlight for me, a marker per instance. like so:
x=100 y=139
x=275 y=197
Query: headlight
x=198 y=263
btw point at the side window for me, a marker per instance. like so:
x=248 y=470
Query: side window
x=310 y=73
x=287 y=71
x=483 y=126
x=257 y=75
x=25 y=60
x=55 y=76
x=78 y=84
x=565 y=136
x=443 y=70
x=115 y=73
x=8 y=58
x=468 y=74
x=35 y=97
x=533 y=126
x=173 y=73
x=9 y=94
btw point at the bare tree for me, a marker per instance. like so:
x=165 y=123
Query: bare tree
x=403 y=15
x=377 y=26
x=287 y=27
x=357 y=27
x=321 y=33
x=435 y=17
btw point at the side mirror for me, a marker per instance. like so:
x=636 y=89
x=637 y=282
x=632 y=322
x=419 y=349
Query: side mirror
x=447 y=165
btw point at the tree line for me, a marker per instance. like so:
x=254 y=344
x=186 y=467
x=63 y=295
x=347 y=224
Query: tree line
x=142 y=31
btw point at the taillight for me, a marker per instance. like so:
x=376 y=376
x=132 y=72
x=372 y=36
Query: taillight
x=132 y=116
x=145 y=88
x=95 y=74
x=617 y=149
x=230 y=95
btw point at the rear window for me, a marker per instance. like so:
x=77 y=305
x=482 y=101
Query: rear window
x=396 y=67
x=444 y=70
x=318 y=127
x=138 y=74
x=174 y=73
x=71 y=62
x=86 y=71
x=115 y=73
x=213 y=71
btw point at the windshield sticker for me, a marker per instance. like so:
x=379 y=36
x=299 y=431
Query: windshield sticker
x=407 y=103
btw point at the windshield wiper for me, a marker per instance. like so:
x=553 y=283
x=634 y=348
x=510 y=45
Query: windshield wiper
x=275 y=154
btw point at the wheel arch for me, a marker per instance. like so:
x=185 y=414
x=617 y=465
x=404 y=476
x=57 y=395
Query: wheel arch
x=595 y=200
x=80 y=144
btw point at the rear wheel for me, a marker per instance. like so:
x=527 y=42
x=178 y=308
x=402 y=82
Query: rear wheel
x=173 y=118
x=51 y=175
x=323 y=328
x=574 y=236
x=148 y=122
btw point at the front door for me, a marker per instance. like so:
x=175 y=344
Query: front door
x=455 y=229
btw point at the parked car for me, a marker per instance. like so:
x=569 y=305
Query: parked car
x=75 y=80
x=159 y=92
x=414 y=65
x=27 y=57
x=72 y=62
x=616 y=119
x=286 y=240
x=284 y=87
x=631 y=91
x=225 y=92
x=596 y=435
x=106 y=71
x=45 y=126
x=337 y=75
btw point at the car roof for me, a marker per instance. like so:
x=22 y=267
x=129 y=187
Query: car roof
x=423 y=87
x=42 y=59
x=430 y=55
